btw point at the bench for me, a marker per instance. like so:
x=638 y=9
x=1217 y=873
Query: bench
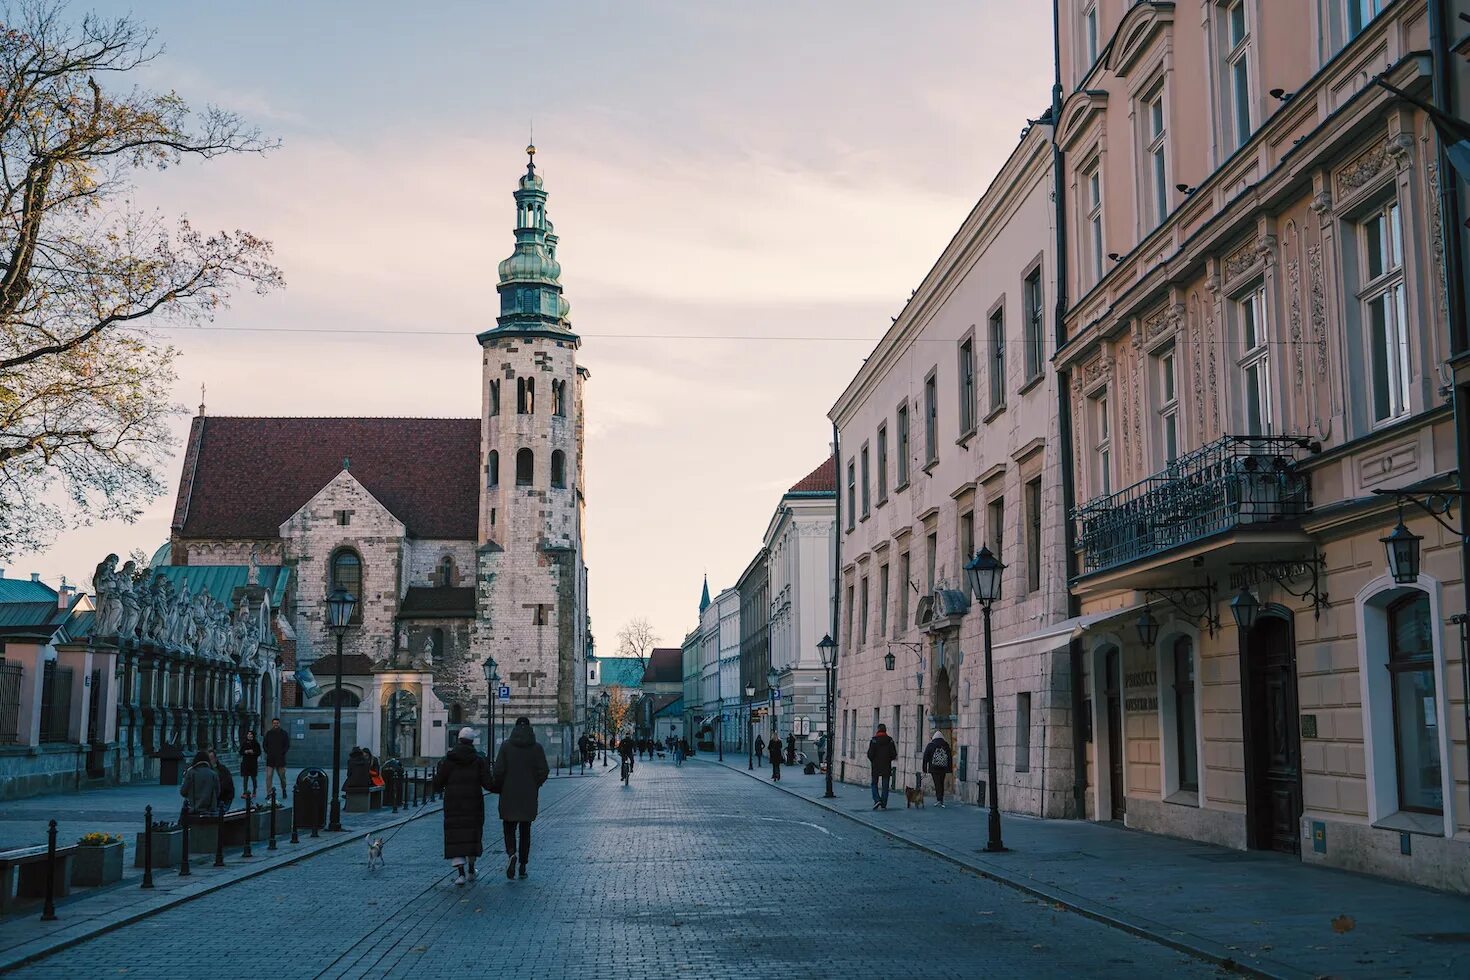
x=23 y=874
x=361 y=799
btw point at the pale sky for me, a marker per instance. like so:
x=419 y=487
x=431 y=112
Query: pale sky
x=751 y=170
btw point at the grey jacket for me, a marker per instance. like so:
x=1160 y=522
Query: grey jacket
x=200 y=788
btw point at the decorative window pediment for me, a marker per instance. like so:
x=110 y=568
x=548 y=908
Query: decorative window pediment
x=1141 y=24
x=1078 y=111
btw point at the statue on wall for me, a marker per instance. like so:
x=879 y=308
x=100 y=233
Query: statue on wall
x=180 y=620
x=108 y=612
x=426 y=660
x=129 y=601
x=160 y=606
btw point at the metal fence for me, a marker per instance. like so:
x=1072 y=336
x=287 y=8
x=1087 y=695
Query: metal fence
x=55 y=702
x=1232 y=482
x=10 y=678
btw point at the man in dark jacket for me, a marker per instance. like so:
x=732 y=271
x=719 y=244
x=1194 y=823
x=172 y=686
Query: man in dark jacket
x=773 y=748
x=520 y=769
x=200 y=787
x=938 y=763
x=881 y=753
x=226 y=782
x=277 y=744
x=760 y=747
x=461 y=776
x=791 y=750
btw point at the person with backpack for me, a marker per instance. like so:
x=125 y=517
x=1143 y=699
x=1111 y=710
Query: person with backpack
x=938 y=763
x=882 y=751
x=520 y=771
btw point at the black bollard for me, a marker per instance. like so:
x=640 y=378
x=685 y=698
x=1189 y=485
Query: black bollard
x=249 y=827
x=272 y=845
x=148 y=847
x=316 y=816
x=184 y=871
x=415 y=778
x=393 y=789
x=219 y=839
x=295 y=837
x=49 y=913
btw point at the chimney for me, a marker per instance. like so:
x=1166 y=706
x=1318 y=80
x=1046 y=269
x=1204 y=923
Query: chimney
x=2 y=573
x=35 y=576
x=63 y=594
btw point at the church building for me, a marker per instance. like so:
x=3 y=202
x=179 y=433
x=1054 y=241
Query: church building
x=462 y=539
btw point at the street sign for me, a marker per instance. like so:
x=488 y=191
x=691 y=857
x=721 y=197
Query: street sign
x=775 y=694
x=504 y=693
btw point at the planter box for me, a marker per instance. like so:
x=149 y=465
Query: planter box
x=168 y=847
x=261 y=821
x=98 y=865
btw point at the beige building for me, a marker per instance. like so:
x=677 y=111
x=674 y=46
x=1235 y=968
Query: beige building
x=1254 y=353
x=949 y=439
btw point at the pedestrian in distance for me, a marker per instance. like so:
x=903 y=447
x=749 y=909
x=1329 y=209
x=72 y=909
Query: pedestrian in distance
x=226 y=791
x=774 y=748
x=678 y=749
x=627 y=749
x=463 y=776
x=881 y=754
x=760 y=747
x=200 y=786
x=938 y=763
x=791 y=750
x=249 y=763
x=520 y=771
x=277 y=744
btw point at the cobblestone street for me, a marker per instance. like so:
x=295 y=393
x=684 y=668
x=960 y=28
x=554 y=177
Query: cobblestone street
x=693 y=871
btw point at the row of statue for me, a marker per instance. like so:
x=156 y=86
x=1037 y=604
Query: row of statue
x=141 y=604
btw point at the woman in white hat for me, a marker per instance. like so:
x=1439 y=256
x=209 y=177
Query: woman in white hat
x=461 y=776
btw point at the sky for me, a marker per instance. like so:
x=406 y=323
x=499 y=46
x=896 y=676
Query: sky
x=745 y=194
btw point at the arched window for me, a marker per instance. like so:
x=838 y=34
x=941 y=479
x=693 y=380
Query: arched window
x=495 y=398
x=558 y=469
x=438 y=640
x=492 y=469
x=525 y=468
x=347 y=574
x=331 y=698
x=1184 y=727
x=446 y=571
x=456 y=714
x=559 y=398
x=526 y=396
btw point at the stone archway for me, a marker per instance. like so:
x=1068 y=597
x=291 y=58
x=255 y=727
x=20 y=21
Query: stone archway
x=400 y=724
x=941 y=700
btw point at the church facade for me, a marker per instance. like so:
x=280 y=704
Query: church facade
x=462 y=539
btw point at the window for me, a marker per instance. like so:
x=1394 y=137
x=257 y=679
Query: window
x=525 y=468
x=967 y=544
x=1385 y=321
x=540 y=614
x=1033 y=534
x=1237 y=83
x=997 y=359
x=494 y=398
x=347 y=574
x=903 y=445
x=882 y=600
x=492 y=469
x=882 y=463
x=844 y=734
x=342 y=696
x=850 y=593
x=902 y=623
x=851 y=495
x=1089 y=34
x=967 y=384
x=1023 y=732
x=558 y=469
x=995 y=515
x=1155 y=151
x=446 y=579
x=1092 y=216
x=1360 y=14
x=1035 y=323
x=559 y=398
x=1415 y=704
x=526 y=396
x=342 y=517
x=1167 y=375
x=1102 y=446
x=867 y=504
x=931 y=545
x=1184 y=728
x=1255 y=389
x=863 y=612
x=931 y=417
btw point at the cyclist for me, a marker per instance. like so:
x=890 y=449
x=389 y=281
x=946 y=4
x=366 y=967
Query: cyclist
x=627 y=748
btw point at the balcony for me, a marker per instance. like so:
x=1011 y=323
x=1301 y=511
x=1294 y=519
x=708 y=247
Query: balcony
x=1237 y=483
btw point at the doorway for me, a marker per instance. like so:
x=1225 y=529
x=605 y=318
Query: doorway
x=1114 y=698
x=1272 y=741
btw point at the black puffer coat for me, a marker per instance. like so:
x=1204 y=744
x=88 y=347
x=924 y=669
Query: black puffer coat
x=520 y=769
x=461 y=776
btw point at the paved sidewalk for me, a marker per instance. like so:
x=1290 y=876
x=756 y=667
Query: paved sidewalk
x=1268 y=913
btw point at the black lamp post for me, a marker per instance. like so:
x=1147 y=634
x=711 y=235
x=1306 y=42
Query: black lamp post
x=1402 y=546
x=491 y=676
x=985 y=575
x=749 y=726
x=602 y=703
x=827 y=647
x=1244 y=609
x=772 y=679
x=339 y=613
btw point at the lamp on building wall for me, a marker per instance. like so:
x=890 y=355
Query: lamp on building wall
x=340 y=605
x=1147 y=627
x=889 y=660
x=1245 y=608
x=827 y=648
x=1402 y=546
x=749 y=726
x=986 y=573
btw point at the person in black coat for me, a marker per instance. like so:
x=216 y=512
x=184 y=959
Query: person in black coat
x=249 y=762
x=226 y=782
x=938 y=762
x=774 y=748
x=520 y=769
x=791 y=750
x=463 y=776
x=277 y=744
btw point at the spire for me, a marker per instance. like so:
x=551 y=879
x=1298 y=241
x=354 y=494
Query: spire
x=530 y=289
x=704 y=599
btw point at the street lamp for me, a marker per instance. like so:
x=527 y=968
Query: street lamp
x=1147 y=627
x=827 y=647
x=1244 y=608
x=772 y=679
x=339 y=613
x=749 y=726
x=602 y=703
x=719 y=708
x=985 y=576
x=1402 y=546
x=490 y=678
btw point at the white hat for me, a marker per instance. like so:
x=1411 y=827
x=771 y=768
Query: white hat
x=467 y=734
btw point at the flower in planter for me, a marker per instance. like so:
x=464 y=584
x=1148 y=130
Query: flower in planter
x=164 y=826
x=99 y=839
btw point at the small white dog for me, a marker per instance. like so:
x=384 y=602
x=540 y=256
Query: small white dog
x=375 y=852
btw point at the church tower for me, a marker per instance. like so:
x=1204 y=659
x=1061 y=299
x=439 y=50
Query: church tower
x=531 y=582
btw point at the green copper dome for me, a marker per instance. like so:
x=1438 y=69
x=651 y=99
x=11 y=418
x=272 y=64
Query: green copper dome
x=530 y=278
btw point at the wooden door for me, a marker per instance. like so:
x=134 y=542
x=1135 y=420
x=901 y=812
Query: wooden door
x=1115 y=735
x=1274 y=802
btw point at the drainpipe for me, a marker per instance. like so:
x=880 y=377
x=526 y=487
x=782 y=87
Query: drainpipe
x=1064 y=426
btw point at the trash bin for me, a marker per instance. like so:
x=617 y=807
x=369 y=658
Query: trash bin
x=311 y=798
x=169 y=758
x=392 y=783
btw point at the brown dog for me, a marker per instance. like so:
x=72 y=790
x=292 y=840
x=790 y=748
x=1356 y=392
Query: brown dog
x=913 y=796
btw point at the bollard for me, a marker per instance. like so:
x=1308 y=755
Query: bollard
x=219 y=839
x=316 y=818
x=184 y=871
x=49 y=913
x=295 y=837
x=415 y=779
x=272 y=845
x=393 y=790
x=148 y=847
x=249 y=827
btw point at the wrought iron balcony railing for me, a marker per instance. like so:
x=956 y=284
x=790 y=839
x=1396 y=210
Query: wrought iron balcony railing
x=1232 y=482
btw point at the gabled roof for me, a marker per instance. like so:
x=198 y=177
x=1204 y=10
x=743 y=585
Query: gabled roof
x=244 y=477
x=25 y=590
x=221 y=581
x=823 y=479
x=665 y=665
x=666 y=705
x=623 y=671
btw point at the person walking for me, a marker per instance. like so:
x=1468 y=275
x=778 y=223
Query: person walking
x=881 y=754
x=791 y=750
x=678 y=750
x=774 y=749
x=461 y=776
x=277 y=744
x=627 y=748
x=199 y=787
x=520 y=771
x=760 y=747
x=226 y=791
x=249 y=763
x=938 y=762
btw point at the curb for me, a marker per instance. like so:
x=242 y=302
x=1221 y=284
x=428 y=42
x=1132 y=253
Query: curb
x=1195 y=946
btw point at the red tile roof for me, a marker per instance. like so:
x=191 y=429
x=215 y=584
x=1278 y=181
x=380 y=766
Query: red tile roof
x=243 y=477
x=823 y=479
x=664 y=664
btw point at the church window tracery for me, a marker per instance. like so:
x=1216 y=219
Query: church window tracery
x=346 y=568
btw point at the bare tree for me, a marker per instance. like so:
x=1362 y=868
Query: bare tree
x=84 y=392
x=637 y=639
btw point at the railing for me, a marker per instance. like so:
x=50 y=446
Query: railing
x=10 y=678
x=1234 y=481
x=55 y=702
